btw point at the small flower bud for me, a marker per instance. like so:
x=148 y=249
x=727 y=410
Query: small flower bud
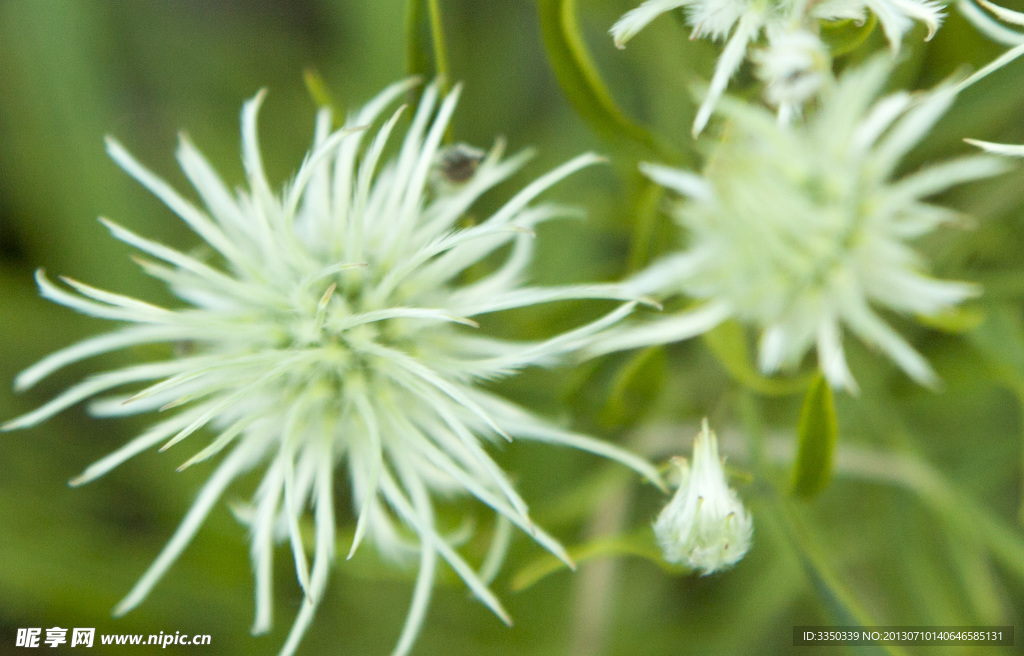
x=705 y=526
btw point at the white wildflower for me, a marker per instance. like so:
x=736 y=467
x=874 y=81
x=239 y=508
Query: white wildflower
x=742 y=22
x=331 y=329
x=802 y=230
x=704 y=526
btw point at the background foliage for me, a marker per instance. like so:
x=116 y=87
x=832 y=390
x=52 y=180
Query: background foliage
x=919 y=525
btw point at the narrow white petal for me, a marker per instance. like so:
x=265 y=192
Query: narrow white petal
x=405 y=364
x=395 y=496
x=369 y=494
x=93 y=386
x=292 y=510
x=987 y=26
x=146 y=440
x=420 y=600
x=525 y=426
x=496 y=553
x=87 y=348
x=322 y=557
x=685 y=183
x=546 y=353
x=414 y=190
x=729 y=61
x=225 y=438
x=513 y=515
x=667 y=275
x=879 y=119
x=195 y=219
x=1002 y=13
x=873 y=330
x=637 y=19
x=528 y=296
x=1009 y=150
x=268 y=498
x=910 y=129
x=893 y=19
x=239 y=460
x=50 y=291
x=993 y=66
x=313 y=162
x=831 y=357
x=661 y=331
x=211 y=188
x=252 y=160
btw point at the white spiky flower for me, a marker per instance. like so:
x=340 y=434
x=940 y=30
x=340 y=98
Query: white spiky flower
x=742 y=22
x=705 y=525
x=802 y=230
x=332 y=328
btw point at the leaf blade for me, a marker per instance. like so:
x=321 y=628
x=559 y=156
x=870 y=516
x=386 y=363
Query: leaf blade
x=817 y=433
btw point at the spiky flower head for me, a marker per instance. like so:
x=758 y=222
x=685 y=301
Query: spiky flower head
x=742 y=22
x=705 y=525
x=802 y=230
x=333 y=328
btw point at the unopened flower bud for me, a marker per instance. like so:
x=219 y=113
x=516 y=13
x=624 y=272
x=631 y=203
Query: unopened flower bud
x=705 y=526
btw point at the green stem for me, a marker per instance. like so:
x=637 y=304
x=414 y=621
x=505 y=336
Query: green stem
x=440 y=51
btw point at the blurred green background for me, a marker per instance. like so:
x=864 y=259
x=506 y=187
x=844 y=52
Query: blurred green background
x=921 y=524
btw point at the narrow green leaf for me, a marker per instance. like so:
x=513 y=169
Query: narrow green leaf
x=639 y=544
x=583 y=86
x=1000 y=338
x=844 y=36
x=955 y=321
x=728 y=343
x=634 y=387
x=650 y=198
x=839 y=601
x=817 y=432
x=318 y=90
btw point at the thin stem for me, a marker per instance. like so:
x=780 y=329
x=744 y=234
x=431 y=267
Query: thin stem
x=440 y=51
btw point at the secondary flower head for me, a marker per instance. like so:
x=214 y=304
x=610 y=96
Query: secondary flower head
x=704 y=526
x=793 y=68
x=331 y=328
x=803 y=230
x=744 y=21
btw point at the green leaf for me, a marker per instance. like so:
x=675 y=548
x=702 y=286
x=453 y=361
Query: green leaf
x=1000 y=339
x=644 y=226
x=583 y=86
x=319 y=91
x=839 y=601
x=955 y=321
x=638 y=544
x=818 y=431
x=845 y=36
x=729 y=344
x=636 y=384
